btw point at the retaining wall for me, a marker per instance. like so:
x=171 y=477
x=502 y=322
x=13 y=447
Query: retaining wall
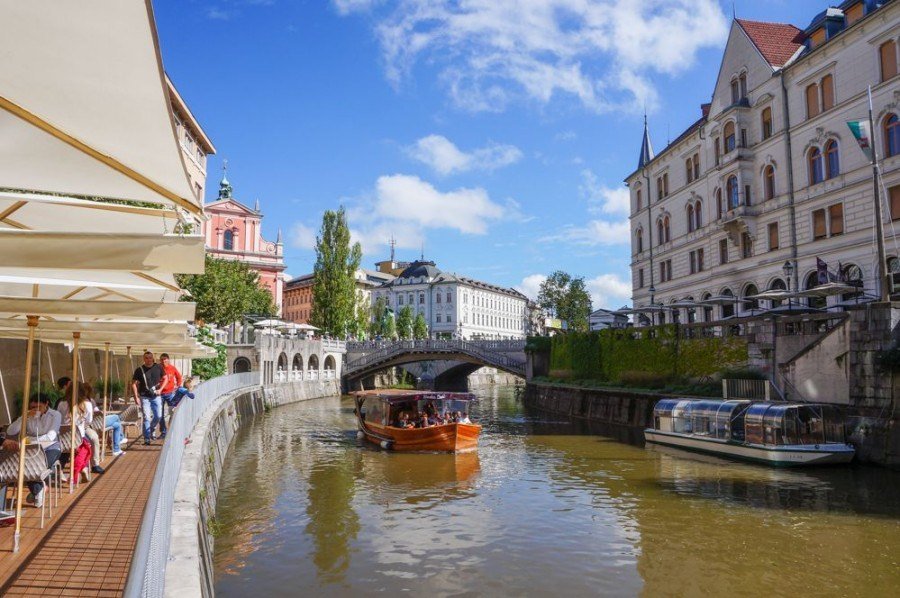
x=599 y=405
x=190 y=570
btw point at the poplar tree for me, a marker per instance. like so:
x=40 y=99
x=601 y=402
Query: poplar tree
x=420 y=328
x=389 y=326
x=334 y=276
x=405 y=323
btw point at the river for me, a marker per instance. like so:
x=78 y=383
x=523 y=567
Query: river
x=545 y=507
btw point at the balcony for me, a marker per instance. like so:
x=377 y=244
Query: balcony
x=738 y=220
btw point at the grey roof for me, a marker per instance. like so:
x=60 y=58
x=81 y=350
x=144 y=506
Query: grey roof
x=419 y=269
x=646 y=147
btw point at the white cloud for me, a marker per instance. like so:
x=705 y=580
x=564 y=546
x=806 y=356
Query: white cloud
x=593 y=233
x=531 y=285
x=491 y=52
x=608 y=291
x=302 y=236
x=444 y=157
x=603 y=199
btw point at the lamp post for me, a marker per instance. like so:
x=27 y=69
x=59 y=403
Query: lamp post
x=788 y=269
x=652 y=299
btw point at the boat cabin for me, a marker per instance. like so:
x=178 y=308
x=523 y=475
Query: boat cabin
x=389 y=408
x=764 y=423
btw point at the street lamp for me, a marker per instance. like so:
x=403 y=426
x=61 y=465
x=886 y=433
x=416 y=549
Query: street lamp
x=652 y=290
x=788 y=269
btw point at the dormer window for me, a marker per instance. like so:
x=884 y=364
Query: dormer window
x=735 y=90
x=742 y=80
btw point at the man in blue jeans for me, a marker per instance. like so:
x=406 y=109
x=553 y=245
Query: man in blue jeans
x=146 y=384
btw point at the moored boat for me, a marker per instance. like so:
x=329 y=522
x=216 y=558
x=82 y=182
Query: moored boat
x=381 y=417
x=783 y=434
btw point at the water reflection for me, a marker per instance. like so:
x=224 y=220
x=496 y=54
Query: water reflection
x=545 y=506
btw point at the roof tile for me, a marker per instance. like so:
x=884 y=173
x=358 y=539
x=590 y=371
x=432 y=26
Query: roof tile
x=777 y=42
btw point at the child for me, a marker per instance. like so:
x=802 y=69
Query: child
x=181 y=392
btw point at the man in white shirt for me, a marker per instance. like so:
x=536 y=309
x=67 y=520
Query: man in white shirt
x=42 y=428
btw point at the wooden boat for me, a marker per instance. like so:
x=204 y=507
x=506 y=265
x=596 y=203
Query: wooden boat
x=379 y=411
x=782 y=434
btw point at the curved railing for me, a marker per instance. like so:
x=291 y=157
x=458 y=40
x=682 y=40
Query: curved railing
x=147 y=574
x=472 y=349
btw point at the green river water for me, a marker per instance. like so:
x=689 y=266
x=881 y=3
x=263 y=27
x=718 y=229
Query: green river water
x=545 y=507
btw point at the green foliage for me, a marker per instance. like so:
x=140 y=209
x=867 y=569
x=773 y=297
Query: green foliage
x=362 y=313
x=334 y=282
x=226 y=291
x=44 y=387
x=213 y=366
x=637 y=356
x=379 y=313
x=420 y=327
x=116 y=387
x=566 y=298
x=538 y=344
x=405 y=323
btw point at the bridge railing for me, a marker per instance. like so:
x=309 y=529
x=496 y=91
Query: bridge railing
x=497 y=345
x=146 y=576
x=473 y=349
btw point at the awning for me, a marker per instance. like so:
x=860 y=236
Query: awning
x=84 y=109
x=46 y=283
x=161 y=327
x=111 y=310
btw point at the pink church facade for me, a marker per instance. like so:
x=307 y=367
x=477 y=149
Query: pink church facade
x=234 y=232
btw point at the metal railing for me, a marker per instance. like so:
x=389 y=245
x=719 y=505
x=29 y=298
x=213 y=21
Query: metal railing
x=146 y=576
x=497 y=345
x=755 y=390
x=472 y=349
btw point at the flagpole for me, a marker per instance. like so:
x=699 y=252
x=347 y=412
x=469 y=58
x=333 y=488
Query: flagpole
x=879 y=227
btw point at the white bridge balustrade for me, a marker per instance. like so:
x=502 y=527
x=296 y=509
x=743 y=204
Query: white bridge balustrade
x=282 y=359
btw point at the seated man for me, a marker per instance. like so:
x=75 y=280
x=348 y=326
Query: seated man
x=42 y=428
x=464 y=418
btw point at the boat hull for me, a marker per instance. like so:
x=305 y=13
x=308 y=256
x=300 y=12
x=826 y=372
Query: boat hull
x=782 y=456
x=444 y=438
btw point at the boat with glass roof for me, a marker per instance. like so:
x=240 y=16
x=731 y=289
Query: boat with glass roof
x=388 y=418
x=775 y=433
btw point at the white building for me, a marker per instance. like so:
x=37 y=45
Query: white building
x=601 y=319
x=455 y=306
x=770 y=179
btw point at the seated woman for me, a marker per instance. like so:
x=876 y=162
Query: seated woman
x=424 y=421
x=84 y=413
x=113 y=422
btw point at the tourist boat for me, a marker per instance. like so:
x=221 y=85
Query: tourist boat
x=784 y=434
x=378 y=412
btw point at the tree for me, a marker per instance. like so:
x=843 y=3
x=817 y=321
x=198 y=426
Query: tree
x=420 y=327
x=212 y=367
x=362 y=315
x=226 y=291
x=566 y=298
x=405 y=323
x=389 y=326
x=334 y=281
x=379 y=313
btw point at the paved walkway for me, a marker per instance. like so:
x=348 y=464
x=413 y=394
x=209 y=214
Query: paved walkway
x=86 y=550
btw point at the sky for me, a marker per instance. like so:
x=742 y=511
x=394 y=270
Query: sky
x=491 y=135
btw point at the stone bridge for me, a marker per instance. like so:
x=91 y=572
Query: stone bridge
x=367 y=358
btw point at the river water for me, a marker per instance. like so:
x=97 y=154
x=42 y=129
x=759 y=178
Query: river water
x=545 y=507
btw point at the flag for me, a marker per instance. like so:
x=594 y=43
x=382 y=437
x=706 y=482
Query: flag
x=863 y=134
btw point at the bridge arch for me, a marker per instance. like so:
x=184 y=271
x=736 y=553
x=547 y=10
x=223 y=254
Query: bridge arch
x=329 y=362
x=241 y=365
x=282 y=361
x=313 y=363
x=298 y=362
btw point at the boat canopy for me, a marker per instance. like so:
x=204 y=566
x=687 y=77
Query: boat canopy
x=793 y=424
x=395 y=396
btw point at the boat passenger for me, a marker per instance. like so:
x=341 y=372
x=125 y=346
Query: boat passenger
x=424 y=421
x=463 y=418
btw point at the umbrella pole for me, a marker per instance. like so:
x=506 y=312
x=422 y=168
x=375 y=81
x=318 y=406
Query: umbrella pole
x=75 y=392
x=105 y=401
x=23 y=431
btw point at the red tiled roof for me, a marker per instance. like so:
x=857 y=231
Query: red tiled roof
x=777 y=42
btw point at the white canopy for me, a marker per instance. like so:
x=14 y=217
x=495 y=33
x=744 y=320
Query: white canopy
x=104 y=309
x=86 y=284
x=84 y=108
x=162 y=327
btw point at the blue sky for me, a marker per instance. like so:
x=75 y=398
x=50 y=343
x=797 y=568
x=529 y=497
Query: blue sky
x=495 y=133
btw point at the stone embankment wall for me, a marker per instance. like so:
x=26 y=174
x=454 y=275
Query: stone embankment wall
x=618 y=407
x=190 y=570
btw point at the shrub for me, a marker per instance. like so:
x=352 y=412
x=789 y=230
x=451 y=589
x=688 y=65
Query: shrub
x=644 y=379
x=538 y=344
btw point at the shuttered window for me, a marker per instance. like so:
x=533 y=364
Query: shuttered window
x=888 y=56
x=819 y=230
x=836 y=216
x=827 y=92
x=773 y=236
x=812 y=101
x=894 y=193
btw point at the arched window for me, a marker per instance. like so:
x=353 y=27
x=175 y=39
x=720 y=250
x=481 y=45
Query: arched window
x=887 y=52
x=732 y=193
x=228 y=240
x=660 y=237
x=811 y=282
x=749 y=291
x=853 y=276
x=812 y=100
x=666 y=228
x=743 y=84
x=659 y=188
x=728 y=135
x=698 y=219
x=766 y=123
x=639 y=240
x=893 y=265
x=690 y=218
x=639 y=200
x=720 y=209
x=735 y=90
x=727 y=308
x=769 y=181
x=814 y=163
x=891 y=136
x=832 y=162
x=777 y=285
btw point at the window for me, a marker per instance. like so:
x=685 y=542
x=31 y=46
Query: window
x=639 y=200
x=773 y=236
x=891 y=136
x=700 y=260
x=659 y=231
x=689 y=169
x=662 y=272
x=769 y=181
x=698 y=219
x=228 y=240
x=894 y=197
x=659 y=189
x=641 y=278
x=421 y=298
x=743 y=137
x=696 y=166
x=812 y=100
x=449 y=297
x=437 y=298
x=718 y=150
x=888 y=56
x=743 y=84
x=729 y=138
x=832 y=162
x=816 y=174
x=732 y=193
x=692 y=262
x=639 y=240
x=695 y=259
x=690 y=218
x=735 y=90
x=399 y=299
x=827 y=85
x=666 y=184
x=719 y=207
x=819 y=229
x=746 y=245
x=666 y=229
x=766 y=123
x=836 y=219
x=853 y=14
x=437 y=318
x=747 y=198
x=449 y=318
x=723 y=251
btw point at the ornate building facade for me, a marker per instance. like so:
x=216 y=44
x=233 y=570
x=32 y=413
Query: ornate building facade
x=769 y=183
x=234 y=232
x=195 y=145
